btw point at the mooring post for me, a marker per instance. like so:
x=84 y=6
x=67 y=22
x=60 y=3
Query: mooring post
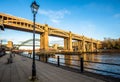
x=81 y=65
x=46 y=57
x=58 y=61
x=30 y=55
x=39 y=57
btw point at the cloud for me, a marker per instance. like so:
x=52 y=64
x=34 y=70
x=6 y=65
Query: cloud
x=97 y=7
x=54 y=16
x=55 y=21
x=116 y=15
x=56 y=40
x=87 y=28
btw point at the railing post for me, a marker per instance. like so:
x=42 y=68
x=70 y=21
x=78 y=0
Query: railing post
x=58 y=61
x=39 y=57
x=46 y=58
x=81 y=64
x=30 y=55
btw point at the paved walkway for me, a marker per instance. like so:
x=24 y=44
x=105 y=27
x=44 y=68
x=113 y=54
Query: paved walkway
x=20 y=71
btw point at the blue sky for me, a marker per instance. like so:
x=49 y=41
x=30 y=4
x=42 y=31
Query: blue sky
x=92 y=18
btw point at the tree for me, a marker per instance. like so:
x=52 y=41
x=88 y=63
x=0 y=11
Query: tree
x=109 y=43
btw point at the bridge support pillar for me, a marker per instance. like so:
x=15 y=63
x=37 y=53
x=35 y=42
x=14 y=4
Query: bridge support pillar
x=41 y=41
x=65 y=44
x=44 y=39
x=92 y=47
x=68 y=43
x=83 y=46
x=98 y=46
x=79 y=46
x=87 y=47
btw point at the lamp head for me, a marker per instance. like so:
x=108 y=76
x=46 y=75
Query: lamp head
x=34 y=7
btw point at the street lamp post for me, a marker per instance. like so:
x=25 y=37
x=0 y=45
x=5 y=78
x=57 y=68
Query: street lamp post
x=34 y=7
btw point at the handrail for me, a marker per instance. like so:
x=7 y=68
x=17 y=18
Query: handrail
x=102 y=70
x=103 y=63
x=81 y=65
x=70 y=64
x=69 y=59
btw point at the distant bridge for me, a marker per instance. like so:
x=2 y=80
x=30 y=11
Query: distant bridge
x=24 y=43
x=82 y=43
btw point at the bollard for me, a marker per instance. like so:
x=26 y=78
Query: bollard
x=81 y=65
x=46 y=57
x=30 y=55
x=9 y=60
x=43 y=57
x=39 y=57
x=58 y=61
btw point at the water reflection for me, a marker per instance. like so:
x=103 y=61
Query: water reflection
x=68 y=60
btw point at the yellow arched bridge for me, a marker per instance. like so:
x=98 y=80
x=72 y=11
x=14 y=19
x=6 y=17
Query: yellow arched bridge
x=82 y=43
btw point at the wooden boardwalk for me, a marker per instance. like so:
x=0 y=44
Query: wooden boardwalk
x=20 y=71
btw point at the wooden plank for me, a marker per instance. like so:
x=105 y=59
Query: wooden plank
x=55 y=74
x=6 y=73
x=4 y=68
x=14 y=73
x=21 y=70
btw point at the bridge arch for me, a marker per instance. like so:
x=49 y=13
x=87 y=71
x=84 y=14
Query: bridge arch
x=23 y=43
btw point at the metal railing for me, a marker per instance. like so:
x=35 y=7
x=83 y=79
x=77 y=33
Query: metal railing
x=81 y=66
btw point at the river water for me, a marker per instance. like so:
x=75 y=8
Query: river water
x=113 y=58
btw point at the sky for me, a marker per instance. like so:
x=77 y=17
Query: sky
x=92 y=18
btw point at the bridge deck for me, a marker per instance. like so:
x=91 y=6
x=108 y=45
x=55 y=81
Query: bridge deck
x=20 y=71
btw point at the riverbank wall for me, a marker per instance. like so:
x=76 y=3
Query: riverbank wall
x=110 y=51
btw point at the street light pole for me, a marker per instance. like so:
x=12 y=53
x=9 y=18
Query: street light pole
x=34 y=65
x=34 y=8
